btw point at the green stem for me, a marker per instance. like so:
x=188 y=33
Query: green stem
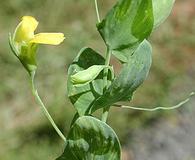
x=44 y=109
x=105 y=82
x=107 y=61
x=97 y=11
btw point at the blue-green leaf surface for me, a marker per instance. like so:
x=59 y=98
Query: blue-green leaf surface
x=126 y=25
x=132 y=75
x=161 y=10
x=82 y=97
x=91 y=139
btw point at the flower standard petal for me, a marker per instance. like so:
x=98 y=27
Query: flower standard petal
x=48 y=38
x=25 y=30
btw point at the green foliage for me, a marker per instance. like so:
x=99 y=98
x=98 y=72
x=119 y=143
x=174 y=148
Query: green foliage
x=126 y=26
x=90 y=138
x=82 y=97
x=171 y=76
x=161 y=10
x=130 y=78
x=91 y=81
x=91 y=87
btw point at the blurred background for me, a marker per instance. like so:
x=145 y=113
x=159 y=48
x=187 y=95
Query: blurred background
x=25 y=133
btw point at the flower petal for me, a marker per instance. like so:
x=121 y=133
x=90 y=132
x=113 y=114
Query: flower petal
x=25 y=30
x=48 y=38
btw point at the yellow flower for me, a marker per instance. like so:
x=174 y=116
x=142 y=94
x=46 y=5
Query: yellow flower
x=24 y=33
x=24 y=41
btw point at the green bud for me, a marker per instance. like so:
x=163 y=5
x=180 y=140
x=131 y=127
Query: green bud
x=88 y=75
x=25 y=53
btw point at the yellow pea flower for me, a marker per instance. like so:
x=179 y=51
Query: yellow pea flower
x=24 y=42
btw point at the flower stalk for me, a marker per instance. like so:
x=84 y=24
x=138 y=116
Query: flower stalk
x=43 y=108
x=24 y=44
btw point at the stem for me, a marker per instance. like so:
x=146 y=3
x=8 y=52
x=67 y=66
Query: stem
x=107 y=61
x=44 y=109
x=97 y=11
x=105 y=82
